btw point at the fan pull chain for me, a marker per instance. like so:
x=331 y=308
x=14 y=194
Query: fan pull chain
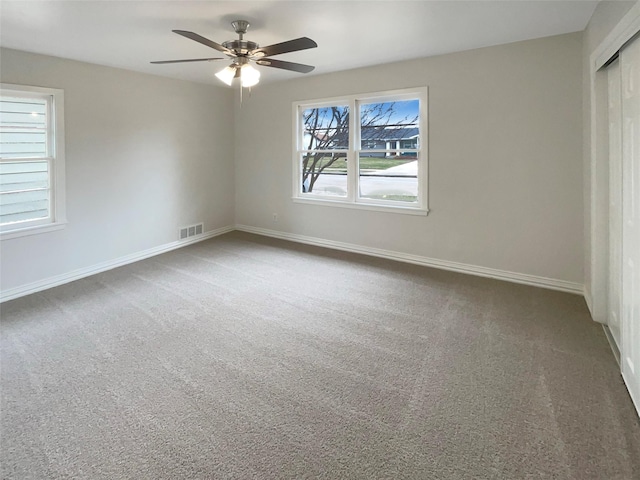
x=241 y=88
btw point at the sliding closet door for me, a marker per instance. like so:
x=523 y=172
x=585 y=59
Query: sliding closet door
x=615 y=201
x=630 y=347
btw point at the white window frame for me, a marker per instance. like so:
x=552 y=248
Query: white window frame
x=354 y=149
x=55 y=156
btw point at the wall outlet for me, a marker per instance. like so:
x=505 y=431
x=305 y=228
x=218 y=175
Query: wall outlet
x=275 y=218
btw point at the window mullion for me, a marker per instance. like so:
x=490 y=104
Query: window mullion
x=354 y=142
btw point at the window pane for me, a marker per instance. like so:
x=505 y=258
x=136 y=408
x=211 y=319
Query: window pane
x=19 y=176
x=387 y=176
x=24 y=191
x=390 y=125
x=324 y=174
x=23 y=127
x=21 y=206
x=325 y=128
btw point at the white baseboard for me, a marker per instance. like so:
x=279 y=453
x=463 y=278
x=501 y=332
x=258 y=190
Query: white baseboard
x=514 y=277
x=522 y=278
x=628 y=382
x=589 y=301
x=104 y=266
x=612 y=343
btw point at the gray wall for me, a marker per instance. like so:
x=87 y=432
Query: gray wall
x=144 y=156
x=505 y=159
x=147 y=154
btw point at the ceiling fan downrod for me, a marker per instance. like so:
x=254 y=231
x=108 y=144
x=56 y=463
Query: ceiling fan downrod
x=240 y=47
x=240 y=27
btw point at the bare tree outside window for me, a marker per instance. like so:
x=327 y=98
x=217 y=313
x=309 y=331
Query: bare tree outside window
x=386 y=129
x=325 y=128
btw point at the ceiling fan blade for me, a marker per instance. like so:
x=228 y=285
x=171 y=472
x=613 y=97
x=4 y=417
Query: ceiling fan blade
x=204 y=41
x=189 y=60
x=295 y=67
x=301 y=43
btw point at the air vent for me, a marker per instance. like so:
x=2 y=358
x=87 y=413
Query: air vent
x=191 y=231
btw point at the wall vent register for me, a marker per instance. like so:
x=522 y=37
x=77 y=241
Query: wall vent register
x=191 y=231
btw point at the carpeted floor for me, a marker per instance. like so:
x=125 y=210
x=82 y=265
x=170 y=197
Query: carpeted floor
x=247 y=357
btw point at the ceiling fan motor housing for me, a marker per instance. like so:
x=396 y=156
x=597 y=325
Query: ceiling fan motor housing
x=240 y=47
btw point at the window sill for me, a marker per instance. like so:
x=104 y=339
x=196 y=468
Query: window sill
x=34 y=230
x=363 y=206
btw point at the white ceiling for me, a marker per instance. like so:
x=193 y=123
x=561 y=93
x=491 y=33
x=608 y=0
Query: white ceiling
x=129 y=34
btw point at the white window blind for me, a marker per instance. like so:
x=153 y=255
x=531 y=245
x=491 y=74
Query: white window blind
x=31 y=162
x=24 y=186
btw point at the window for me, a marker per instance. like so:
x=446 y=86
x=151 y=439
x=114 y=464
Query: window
x=31 y=160
x=364 y=151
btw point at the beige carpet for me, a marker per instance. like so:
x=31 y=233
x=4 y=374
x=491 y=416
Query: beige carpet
x=246 y=357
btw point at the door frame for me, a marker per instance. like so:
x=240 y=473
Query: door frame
x=596 y=283
x=596 y=290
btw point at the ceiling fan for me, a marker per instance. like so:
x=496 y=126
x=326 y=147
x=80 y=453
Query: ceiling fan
x=243 y=52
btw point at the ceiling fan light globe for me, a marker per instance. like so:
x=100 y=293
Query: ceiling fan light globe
x=249 y=76
x=226 y=75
